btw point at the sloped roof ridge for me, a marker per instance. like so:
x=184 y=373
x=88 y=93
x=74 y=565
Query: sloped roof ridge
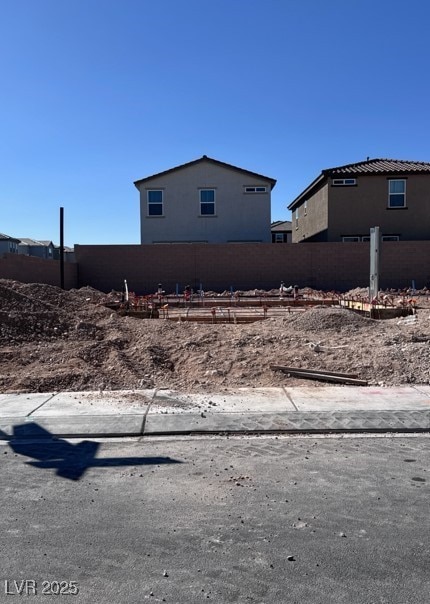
x=210 y=159
x=4 y=236
x=379 y=164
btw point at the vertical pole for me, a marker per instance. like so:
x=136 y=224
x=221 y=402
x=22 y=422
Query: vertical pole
x=62 y=248
x=374 y=263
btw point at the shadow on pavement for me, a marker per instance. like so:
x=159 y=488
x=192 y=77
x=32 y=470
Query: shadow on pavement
x=71 y=461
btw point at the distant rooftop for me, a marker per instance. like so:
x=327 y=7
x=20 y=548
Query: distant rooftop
x=281 y=225
x=4 y=237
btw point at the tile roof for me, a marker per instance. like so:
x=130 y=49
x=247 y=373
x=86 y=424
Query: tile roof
x=381 y=166
x=369 y=166
x=209 y=160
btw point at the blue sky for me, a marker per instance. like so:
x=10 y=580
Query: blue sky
x=98 y=93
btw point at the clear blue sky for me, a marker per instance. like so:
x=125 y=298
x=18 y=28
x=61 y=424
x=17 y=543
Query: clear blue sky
x=98 y=93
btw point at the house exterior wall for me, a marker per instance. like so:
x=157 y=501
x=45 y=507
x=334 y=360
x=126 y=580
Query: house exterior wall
x=286 y=237
x=8 y=246
x=39 y=251
x=315 y=219
x=238 y=216
x=353 y=210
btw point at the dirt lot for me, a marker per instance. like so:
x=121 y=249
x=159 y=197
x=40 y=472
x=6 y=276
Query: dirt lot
x=52 y=340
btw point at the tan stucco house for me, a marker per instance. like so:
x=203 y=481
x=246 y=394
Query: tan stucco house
x=205 y=201
x=343 y=203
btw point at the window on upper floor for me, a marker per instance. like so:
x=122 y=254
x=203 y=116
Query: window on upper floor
x=255 y=189
x=207 y=202
x=344 y=182
x=397 y=193
x=297 y=218
x=155 y=202
x=279 y=238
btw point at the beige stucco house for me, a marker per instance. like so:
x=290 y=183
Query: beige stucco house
x=343 y=203
x=205 y=201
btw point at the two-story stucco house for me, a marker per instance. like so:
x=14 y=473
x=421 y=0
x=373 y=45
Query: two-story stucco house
x=8 y=245
x=343 y=203
x=41 y=249
x=205 y=201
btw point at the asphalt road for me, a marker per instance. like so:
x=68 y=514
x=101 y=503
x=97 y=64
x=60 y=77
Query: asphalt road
x=264 y=519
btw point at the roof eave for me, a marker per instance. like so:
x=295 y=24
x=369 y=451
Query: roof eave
x=272 y=181
x=314 y=184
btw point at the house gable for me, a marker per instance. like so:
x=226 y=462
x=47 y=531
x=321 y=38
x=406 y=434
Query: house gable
x=209 y=160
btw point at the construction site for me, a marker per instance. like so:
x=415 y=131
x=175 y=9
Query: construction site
x=84 y=339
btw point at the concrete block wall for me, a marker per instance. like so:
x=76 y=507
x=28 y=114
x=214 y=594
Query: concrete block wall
x=29 y=269
x=328 y=266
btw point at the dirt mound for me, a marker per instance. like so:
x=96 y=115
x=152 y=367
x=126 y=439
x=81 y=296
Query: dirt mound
x=325 y=318
x=53 y=340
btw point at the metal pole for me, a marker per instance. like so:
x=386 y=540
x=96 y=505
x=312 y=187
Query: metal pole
x=374 y=263
x=62 y=248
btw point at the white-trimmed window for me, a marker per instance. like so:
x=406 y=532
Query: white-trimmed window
x=365 y=238
x=297 y=218
x=305 y=208
x=155 y=202
x=207 y=202
x=350 y=239
x=255 y=189
x=397 y=193
x=390 y=237
x=279 y=238
x=344 y=182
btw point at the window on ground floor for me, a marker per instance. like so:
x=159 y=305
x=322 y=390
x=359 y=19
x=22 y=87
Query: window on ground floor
x=390 y=237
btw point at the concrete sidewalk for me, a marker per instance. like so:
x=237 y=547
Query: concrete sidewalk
x=241 y=410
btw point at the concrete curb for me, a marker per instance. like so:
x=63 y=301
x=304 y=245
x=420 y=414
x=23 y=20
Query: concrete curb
x=234 y=411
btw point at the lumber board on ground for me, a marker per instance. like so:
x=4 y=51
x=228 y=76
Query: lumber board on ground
x=309 y=374
x=317 y=371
